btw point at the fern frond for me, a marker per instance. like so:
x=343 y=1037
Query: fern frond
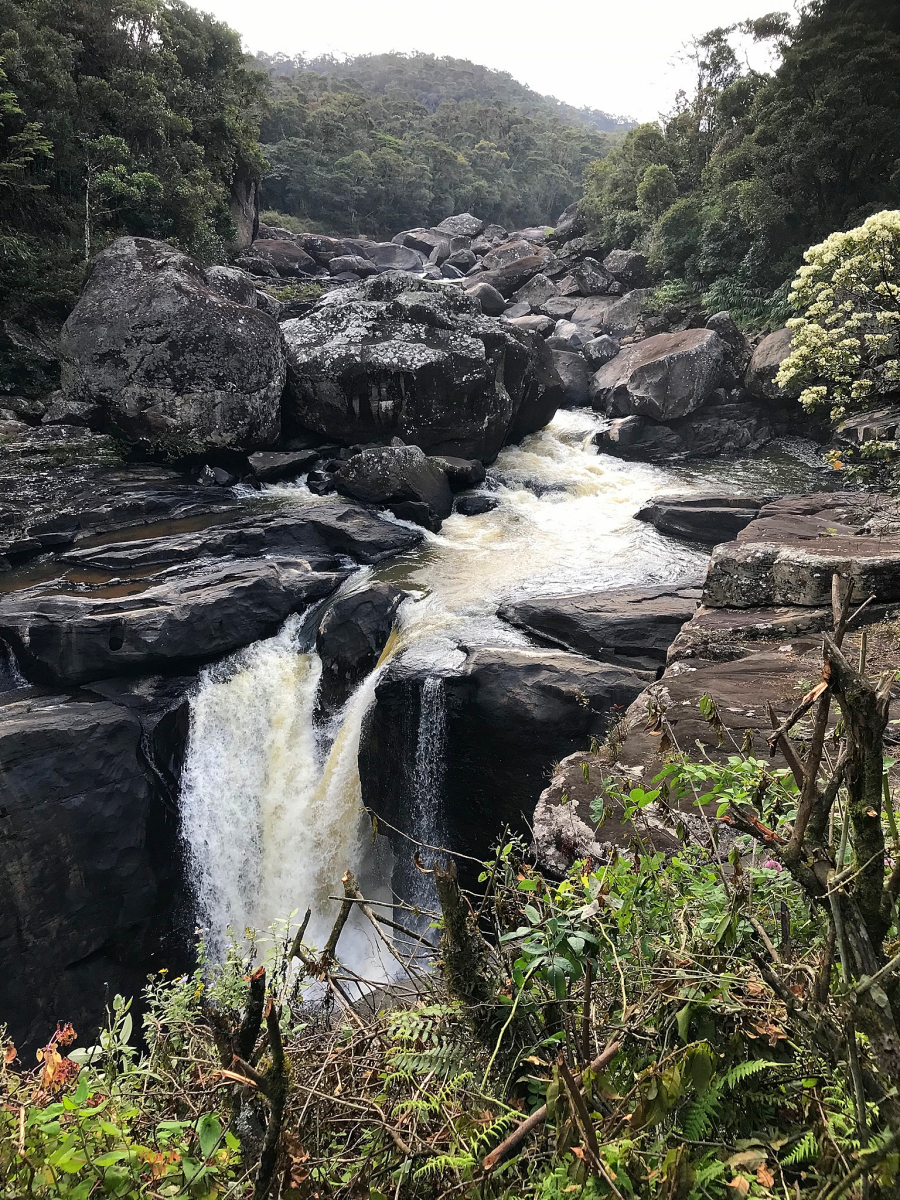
x=806 y=1150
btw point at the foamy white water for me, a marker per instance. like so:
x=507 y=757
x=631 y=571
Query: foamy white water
x=271 y=822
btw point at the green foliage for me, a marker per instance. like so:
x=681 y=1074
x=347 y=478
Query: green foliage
x=845 y=349
x=762 y=165
x=116 y=116
x=386 y=142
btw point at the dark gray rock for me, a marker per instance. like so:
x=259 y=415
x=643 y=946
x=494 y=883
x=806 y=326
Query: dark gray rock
x=77 y=891
x=268 y=304
x=461 y=259
x=232 y=284
x=629 y=267
x=559 y=308
x=764 y=363
x=513 y=275
x=64 y=411
x=569 y=224
x=463 y=225
x=520 y=309
x=415 y=360
x=662 y=377
x=707 y=518
x=193 y=615
x=447 y=271
x=600 y=350
x=321 y=249
x=475 y=504
x=389 y=257
x=351 y=636
x=461 y=472
x=353 y=264
x=167 y=359
x=592 y=278
x=491 y=302
x=509 y=715
x=287 y=258
x=393 y=476
x=711 y=430
x=738 y=355
x=271 y=465
x=568 y=333
x=573 y=371
x=631 y=627
x=615 y=315
x=424 y=240
x=536 y=291
x=533 y=323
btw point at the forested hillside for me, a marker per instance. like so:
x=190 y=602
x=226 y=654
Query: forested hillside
x=747 y=171
x=385 y=141
x=115 y=115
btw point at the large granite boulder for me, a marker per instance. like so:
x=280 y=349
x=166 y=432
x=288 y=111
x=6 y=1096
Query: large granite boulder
x=629 y=267
x=464 y=225
x=170 y=361
x=592 y=278
x=401 y=478
x=190 y=615
x=661 y=377
x=402 y=357
x=711 y=430
x=618 y=316
x=576 y=378
x=765 y=362
x=630 y=627
x=351 y=636
x=287 y=257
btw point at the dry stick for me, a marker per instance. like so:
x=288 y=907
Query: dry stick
x=416 y=937
x=767 y=941
x=337 y=929
x=522 y=1131
x=889 y=809
x=301 y=934
x=586 y=1013
x=351 y=888
x=862 y=1167
x=859 y=1094
x=787 y=749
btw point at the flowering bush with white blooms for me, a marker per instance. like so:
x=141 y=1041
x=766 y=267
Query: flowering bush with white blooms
x=846 y=345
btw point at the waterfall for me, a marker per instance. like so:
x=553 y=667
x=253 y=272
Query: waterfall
x=428 y=824
x=269 y=826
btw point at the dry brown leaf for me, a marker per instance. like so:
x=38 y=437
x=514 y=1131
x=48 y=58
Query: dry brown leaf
x=740 y=1184
x=764 y=1176
x=9 y=1054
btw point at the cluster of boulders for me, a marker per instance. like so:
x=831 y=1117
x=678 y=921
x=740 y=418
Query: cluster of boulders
x=457 y=340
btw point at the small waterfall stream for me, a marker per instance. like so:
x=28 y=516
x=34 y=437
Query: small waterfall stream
x=272 y=818
x=271 y=805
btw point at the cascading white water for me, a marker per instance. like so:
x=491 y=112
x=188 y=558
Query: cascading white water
x=428 y=796
x=272 y=818
x=270 y=827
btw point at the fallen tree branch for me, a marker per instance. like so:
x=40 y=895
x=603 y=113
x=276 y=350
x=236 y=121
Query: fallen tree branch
x=522 y=1131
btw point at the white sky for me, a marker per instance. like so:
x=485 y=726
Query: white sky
x=620 y=57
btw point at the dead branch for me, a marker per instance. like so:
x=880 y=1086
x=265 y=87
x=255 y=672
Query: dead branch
x=522 y=1131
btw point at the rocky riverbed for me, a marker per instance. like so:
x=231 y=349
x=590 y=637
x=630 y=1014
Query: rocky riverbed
x=360 y=511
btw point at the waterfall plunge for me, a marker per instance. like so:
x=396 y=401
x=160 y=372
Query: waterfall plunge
x=428 y=797
x=270 y=828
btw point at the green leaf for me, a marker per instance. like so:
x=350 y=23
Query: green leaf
x=683 y=1021
x=209 y=1131
x=532 y=914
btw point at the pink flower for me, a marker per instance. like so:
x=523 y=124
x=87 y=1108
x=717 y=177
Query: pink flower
x=771 y=865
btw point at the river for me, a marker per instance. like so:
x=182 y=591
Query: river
x=271 y=808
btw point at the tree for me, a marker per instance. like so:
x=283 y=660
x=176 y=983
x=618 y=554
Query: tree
x=845 y=350
x=656 y=192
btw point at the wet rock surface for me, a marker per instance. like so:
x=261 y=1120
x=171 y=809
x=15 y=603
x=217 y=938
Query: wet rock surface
x=351 y=636
x=631 y=627
x=701 y=518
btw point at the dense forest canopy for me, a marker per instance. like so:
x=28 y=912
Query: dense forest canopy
x=115 y=115
x=748 y=170
x=384 y=142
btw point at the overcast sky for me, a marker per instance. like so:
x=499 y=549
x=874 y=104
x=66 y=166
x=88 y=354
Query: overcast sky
x=620 y=57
